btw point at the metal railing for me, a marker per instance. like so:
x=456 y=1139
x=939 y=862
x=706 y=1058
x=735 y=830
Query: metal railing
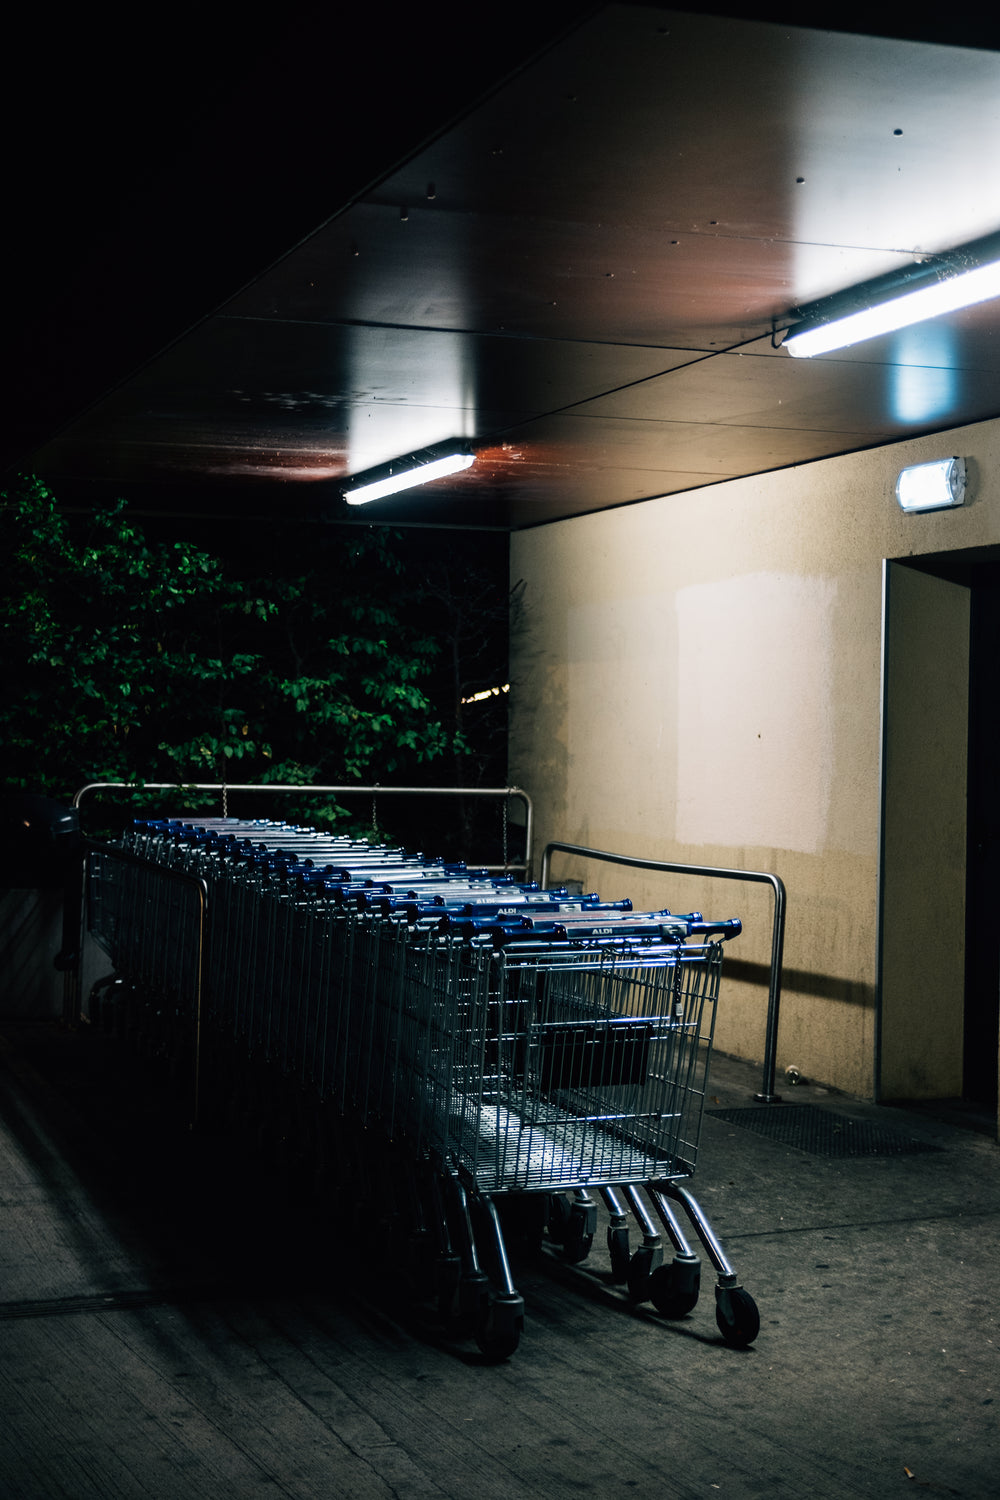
x=760 y=877
x=376 y=791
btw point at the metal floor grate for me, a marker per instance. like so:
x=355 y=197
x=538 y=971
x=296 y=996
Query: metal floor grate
x=822 y=1131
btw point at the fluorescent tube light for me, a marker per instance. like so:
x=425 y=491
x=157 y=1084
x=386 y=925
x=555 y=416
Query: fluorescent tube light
x=898 y=301
x=404 y=473
x=933 y=486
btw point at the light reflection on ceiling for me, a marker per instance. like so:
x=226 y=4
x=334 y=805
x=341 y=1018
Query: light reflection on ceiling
x=582 y=276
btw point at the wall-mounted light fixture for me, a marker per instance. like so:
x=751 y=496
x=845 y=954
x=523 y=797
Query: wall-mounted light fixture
x=403 y=473
x=942 y=284
x=933 y=486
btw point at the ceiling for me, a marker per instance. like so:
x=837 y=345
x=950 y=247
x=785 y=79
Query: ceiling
x=582 y=275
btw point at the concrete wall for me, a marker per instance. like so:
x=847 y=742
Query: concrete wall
x=698 y=678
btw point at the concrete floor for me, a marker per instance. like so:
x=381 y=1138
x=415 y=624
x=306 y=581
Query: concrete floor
x=179 y=1321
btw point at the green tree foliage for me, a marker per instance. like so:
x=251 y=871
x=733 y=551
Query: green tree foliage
x=126 y=659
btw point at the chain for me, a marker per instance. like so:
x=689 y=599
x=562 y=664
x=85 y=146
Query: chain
x=506 y=804
x=374 y=818
x=225 y=800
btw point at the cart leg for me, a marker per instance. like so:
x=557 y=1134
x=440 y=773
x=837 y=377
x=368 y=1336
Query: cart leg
x=617 y=1234
x=447 y=1265
x=735 y=1310
x=674 y=1289
x=499 y=1333
x=649 y=1254
x=473 y=1283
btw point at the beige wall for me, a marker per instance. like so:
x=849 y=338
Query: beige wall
x=698 y=678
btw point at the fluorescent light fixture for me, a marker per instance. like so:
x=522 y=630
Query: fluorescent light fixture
x=403 y=473
x=933 y=486
x=960 y=279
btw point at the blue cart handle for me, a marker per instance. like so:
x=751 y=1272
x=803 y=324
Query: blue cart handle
x=723 y=930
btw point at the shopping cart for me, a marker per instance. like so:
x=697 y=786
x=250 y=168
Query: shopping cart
x=485 y=1055
x=550 y=1067
x=150 y=919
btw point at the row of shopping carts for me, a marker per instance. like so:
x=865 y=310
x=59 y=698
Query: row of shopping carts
x=482 y=1056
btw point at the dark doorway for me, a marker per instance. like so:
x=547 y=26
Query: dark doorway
x=982 y=942
x=978 y=569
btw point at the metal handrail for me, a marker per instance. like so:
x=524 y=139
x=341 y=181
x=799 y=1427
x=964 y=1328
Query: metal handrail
x=761 y=877
x=376 y=791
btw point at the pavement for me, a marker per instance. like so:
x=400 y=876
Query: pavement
x=183 y=1315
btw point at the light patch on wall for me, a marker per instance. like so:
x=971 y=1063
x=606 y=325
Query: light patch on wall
x=755 y=712
x=619 y=722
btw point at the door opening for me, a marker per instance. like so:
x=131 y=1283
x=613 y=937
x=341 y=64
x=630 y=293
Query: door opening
x=939 y=1014
x=982 y=938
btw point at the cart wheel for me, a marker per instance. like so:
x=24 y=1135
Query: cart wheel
x=500 y=1331
x=578 y=1236
x=558 y=1217
x=498 y=1344
x=522 y=1218
x=570 y=1225
x=447 y=1275
x=619 y=1252
x=473 y=1302
x=737 y=1316
x=640 y=1268
x=496 y=1347
x=672 y=1292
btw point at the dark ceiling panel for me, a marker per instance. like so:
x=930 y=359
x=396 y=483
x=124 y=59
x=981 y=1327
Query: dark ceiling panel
x=428 y=367
x=660 y=120
x=582 y=276
x=531 y=275
x=883 y=402
x=172 y=169
x=625 y=459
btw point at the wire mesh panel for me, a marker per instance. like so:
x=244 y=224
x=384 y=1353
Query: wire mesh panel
x=150 y=922
x=570 y=1069
x=494 y=1026
x=496 y=1039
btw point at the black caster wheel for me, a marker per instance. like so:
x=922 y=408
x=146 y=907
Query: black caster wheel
x=576 y=1247
x=673 y=1289
x=522 y=1218
x=557 y=1217
x=640 y=1268
x=737 y=1316
x=500 y=1332
x=473 y=1305
x=619 y=1252
x=571 y=1225
x=447 y=1277
x=496 y=1347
